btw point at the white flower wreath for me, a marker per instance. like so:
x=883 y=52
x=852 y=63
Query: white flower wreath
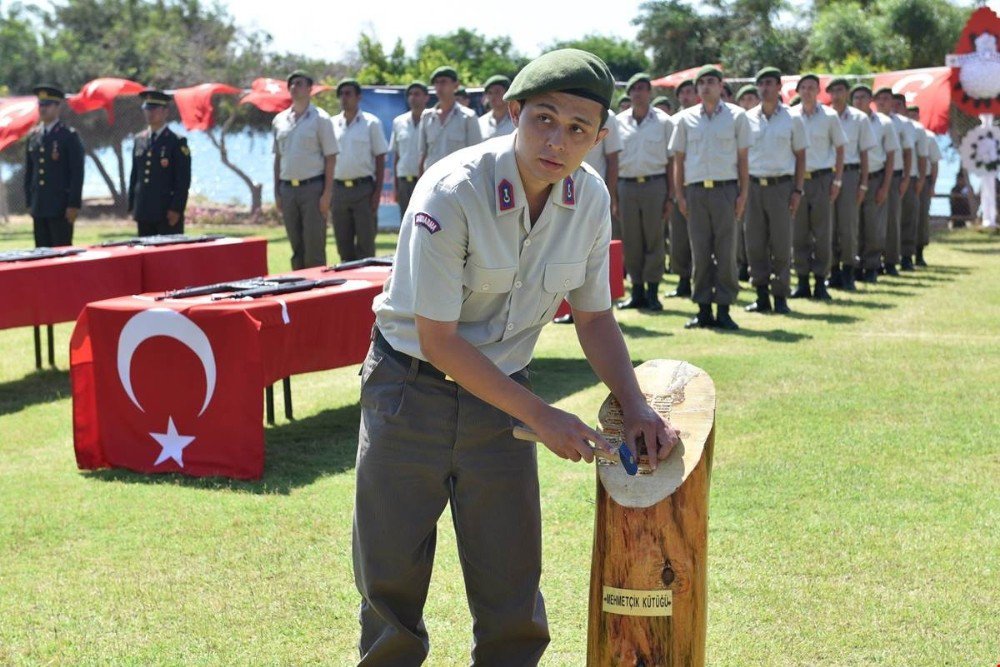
x=980 y=149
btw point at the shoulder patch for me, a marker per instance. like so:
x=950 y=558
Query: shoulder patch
x=427 y=222
x=505 y=195
x=569 y=191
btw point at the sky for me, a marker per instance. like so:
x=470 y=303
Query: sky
x=333 y=32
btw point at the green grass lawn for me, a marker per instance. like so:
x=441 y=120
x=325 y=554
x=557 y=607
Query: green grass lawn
x=855 y=512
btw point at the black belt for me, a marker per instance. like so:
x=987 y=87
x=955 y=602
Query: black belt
x=873 y=174
x=818 y=172
x=351 y=182
x=708 y=185
x=852 y=167
x=299 y=182
x=770 y=180
x=382 y=345
x=897 y=172
x=408 y=179
x=642 y=179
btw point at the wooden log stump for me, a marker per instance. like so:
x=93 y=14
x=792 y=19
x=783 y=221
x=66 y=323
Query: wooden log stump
x=648 y=605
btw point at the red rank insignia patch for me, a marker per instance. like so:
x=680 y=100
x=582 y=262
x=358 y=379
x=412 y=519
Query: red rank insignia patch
x=427 y=222
x=569 y=191
x=505 y=195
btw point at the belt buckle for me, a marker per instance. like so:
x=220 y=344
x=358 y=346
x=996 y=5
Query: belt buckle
x=709 y=185
x=295 y=182
x=640 y=179
x=763 y=181
x=409 y=179
x=808 y=175
x=349 y=183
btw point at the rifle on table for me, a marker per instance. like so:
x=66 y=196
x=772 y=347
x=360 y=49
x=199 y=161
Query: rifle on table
x=161 y=240
x=229 y=286
x=360 y=263
x=35 y=254
x=300 y=285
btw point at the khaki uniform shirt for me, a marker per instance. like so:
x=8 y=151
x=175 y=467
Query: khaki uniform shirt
x=920 y=147
x=904 y=135
x=467 y=252
x=361 y=142
x=645 y=145
x=405 y=143
x=489 y=127
x=612 y=143
x=858 y=132
x=825 y=136
x=303 y=143
x=775 y=140
x=886 y=139
x=710 y=143
x=933 y=150
x=459 y=130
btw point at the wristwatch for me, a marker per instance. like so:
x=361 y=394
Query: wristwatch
x=799 y=191
x=838 y=183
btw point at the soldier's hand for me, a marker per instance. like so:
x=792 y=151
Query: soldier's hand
x=860 y=197
x=566 y=436
x=614 y=208
x=794 y=201
x=918 y=187
x=904 y=185
x=834 y=192
x=741 y=205
x=656 y=432
x=71 y=214
x=324 y=203
x=173 y=217
x=682 y=205
x=881 y=194
x=668 y=206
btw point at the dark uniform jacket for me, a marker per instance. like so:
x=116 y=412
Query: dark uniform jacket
x=53 y=171
x=161 y=176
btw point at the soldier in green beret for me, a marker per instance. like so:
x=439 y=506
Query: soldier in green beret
x=448 y=126
x=161 y=171
x=624 y=103
x=687 y=94
x=404 y=144
x=496 y=122
x=663 y=103
x=747 y=98
x=909 y=217
x=930 y=180
x=53 y=172
x=494 y=238
x=905 y=134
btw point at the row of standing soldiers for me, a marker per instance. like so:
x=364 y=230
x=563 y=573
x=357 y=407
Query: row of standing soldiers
x=54 y=172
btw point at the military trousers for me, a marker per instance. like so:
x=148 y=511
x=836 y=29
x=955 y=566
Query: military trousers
x=403 y=193
x=680 y=244
x=641 y=208
x=304 y=223
x=161 y=226
x=924 y=220
x=844 y=236
x=769 y=236
x=871 y=224
x=712 y=226
x=354 y=222
x=812 y=230
x=894 y=211
x=426 y=443
x=51 y=232
x=909 y=219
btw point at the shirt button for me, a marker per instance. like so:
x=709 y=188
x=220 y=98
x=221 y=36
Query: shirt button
x=510 y=327
x=565 y=283
x=527 y=242
x=41 y=182
x=518 y=284
x=486 y=287
x=41 y=171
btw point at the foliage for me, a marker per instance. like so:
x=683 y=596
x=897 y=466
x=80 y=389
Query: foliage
x=622 y=56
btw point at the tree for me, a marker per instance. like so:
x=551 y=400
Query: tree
x=678 y=36
x=927 y=28
x=475 y=56
x=20 y=51
x=622 y=56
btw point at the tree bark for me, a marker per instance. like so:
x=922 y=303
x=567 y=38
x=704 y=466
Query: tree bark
x=256 y=189
x=118 y=196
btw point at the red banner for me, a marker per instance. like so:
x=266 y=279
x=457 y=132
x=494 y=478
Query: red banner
x=928 y=88
x=272 y=96
x=101 y=94
x=788 y=84
x=195 y=104
x=17 y=116
x=675 y=79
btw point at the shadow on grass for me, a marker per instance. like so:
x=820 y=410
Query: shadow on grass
x=994 y=250
x=635 y=331
x=948 y=270
x=773 y=335
x=981 y=239
x=297 y=454
x=39 y=387
x=829 y=318
x=851 y=302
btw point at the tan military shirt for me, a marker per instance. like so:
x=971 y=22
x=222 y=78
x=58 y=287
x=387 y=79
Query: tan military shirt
x=858 y=132
x=405 y=144
x=933 y=149
x=360 y=142
x=489 y=127
x=904 y=136
x=645 y=145
x=920 y=147
x=611 y=144
x=775 y=140
x=825 y=136
x=886 y=140
x=468 y=252
x=710 y=142
x=459 y=130
x=303 y=143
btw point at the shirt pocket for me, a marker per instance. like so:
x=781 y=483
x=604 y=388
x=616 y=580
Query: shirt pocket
x=487 y=299
x=557 y=280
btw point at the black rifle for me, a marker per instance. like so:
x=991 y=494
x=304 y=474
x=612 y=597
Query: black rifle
x=38 y=253
x=163 y=239
x=286 y=288
x=231 y=286
x=358 y=263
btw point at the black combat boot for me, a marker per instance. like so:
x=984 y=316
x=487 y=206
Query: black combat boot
x=744 y=275
x=836 y=280
x=703 y=320
x=920 y=257
x=637 y=300
x=652 y=299
x=683 y=288
x=723 y=320
x=871 y=276
x=763 y=302
x=802 y=291
x=819 y=292
x=781 y=305
x=890 y=270
x=906 y=264
x=848 y=279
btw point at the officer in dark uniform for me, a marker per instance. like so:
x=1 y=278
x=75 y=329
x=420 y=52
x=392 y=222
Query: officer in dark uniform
x=161 y=171
x=53 y=172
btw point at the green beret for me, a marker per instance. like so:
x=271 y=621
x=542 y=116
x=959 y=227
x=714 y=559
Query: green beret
x=795 y=101
x=899 y=97
x=497 y=80
x=299 y=73
x=708 y=70
x=564 y=70
x=47 y=93
x=747 y=90
x=461 y=92
x=684 y=84
x=446 y=71
x=838 y=81
x=860 y=86
x=883 y=89
x=417 y=84
x=621 y=100
x=152 y=99
x=662 y=99
x=636 y=78
x=913 y=107
x=768 y=73
x=726 y=87
x=349 y=82
x=814 y=77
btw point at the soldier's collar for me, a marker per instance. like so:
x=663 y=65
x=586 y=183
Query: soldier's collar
x=508 y=193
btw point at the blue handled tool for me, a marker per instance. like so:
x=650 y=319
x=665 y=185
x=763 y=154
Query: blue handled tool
x=620 y=452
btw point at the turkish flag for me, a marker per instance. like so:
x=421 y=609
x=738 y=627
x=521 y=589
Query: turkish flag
x=788 y=84
x=155 y=391
x=928 y=88
x=195 y=104
x=101 y=94
x=272 y=96
x=17 y=116
x=675 y=79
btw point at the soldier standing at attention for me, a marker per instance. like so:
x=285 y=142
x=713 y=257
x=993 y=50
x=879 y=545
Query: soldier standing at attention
x=161 y=171
x=811 y=229
x=711 y=178
x=404 y=144
x=496 y=122
x=881 y=158
x=927 y=194
x=663 y=103
x=680 y=242
x=858 y=133
x=747 y=98
x=900 y=180
x=687 y=94
x=53 y=172
x=777 y=174
x=358 y=176
x=909 y=218
x=643 y=192
x=447 y=126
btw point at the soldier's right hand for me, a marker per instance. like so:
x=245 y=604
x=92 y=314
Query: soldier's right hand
x=682 y=205
x=566 y=436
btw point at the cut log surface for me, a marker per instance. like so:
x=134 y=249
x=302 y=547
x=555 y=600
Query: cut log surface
x=648 y=583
